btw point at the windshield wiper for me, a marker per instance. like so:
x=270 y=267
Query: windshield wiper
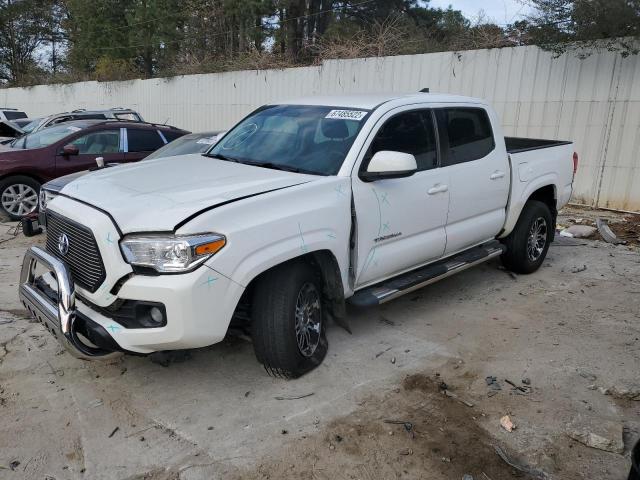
x=219 y=156
x=277 y=166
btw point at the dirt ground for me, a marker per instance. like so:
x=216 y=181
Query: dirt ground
x=403 y=396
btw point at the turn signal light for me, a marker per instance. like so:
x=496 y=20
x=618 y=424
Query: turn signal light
x=210 y=248
x=575 y=162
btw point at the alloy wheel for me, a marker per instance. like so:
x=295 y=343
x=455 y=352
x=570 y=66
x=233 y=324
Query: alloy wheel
x=308 y=319
x=19 y=199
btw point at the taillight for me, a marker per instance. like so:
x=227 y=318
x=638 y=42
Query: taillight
x=575 y=162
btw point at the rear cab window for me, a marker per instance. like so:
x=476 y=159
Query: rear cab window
x=465 y=134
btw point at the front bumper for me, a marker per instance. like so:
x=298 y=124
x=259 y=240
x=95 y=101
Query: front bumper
x=61 y=318
x=199 y=307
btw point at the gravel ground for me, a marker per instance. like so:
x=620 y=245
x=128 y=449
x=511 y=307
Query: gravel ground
x=375 y=409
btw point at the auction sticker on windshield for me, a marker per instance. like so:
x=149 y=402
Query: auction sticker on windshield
x=347 y=114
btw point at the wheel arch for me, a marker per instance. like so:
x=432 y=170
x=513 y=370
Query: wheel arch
x=545 y=192
x=327 y=267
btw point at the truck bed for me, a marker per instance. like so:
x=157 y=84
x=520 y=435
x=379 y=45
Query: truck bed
x=522 y=144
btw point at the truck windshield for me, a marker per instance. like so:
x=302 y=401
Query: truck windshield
x=306 y=139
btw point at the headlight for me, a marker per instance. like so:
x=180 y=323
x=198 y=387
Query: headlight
x=171 y=253
x=45 y=197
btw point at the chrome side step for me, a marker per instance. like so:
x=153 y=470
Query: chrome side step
x=416 y=279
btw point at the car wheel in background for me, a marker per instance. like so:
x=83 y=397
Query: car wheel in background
x=528 y=244
x=288 y=323
x=19 y=196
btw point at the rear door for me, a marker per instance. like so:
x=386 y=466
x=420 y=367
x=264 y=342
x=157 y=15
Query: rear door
x=141 y=142
x=401 y=222
x=91 y=145
x=478 y=174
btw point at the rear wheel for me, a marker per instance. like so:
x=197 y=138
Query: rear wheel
x=288 y=327
x=528 y=244
x=19 y=196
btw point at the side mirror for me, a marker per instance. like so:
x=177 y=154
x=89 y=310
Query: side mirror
x=388 y=164
x=69 y=150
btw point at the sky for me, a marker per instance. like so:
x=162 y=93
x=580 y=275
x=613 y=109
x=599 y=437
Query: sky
x=499 y=11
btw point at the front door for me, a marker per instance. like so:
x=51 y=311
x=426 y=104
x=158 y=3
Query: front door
x=101 y=143
x=401 y=222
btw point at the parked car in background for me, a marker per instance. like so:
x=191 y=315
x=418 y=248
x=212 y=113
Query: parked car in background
x=299 y=208
x=9 y=130
x=112 y=114
x=11 y=114
x=29 y=161
x=191 y=143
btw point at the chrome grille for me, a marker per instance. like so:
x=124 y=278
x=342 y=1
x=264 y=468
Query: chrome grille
x=83 y=257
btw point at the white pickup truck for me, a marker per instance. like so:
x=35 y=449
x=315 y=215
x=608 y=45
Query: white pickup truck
x=299 y=208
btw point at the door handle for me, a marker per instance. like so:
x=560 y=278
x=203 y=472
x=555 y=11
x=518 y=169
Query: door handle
x=437 y=189
x=496 y=175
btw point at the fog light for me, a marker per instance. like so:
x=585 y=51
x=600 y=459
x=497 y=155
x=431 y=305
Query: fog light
x=156 y=314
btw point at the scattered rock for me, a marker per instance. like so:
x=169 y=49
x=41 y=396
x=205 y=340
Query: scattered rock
x=526 y=381
x=405 y=451
x=624 y=391
x=466 y=476
x=603 y=434
x=507 y=423
x=393 y=360
x=15 y=464
x=588 y=375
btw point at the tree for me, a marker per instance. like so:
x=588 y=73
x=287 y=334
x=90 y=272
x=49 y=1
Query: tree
x=586 y=25
x=24 y=26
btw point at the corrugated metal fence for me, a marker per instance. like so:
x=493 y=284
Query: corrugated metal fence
x=594 y=101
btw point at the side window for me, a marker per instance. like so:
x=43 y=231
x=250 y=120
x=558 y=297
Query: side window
x=106 y=141
x=143 y=140
x=409 y=132
x=467 y=132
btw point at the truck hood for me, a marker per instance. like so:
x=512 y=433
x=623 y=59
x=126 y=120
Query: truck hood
x=157 y=195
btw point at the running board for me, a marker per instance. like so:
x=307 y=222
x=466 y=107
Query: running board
x=411 y=281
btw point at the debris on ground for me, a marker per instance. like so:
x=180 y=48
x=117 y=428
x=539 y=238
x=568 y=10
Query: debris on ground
x=13 y=465
x=578 y=231
x=600 y=434
x=294 y=397
x=588 y=375
x=624 y=391
x=466 y=476
x=579 y=269
x=526 y=381
x=494 y=386
x=507 y=423
x=114 y=432
x=533 y=472
x=522 y=389
x=606 y=233
x=455 y=397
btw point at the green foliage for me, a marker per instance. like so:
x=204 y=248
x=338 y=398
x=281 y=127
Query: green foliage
x=585 y=26
x=69 y=40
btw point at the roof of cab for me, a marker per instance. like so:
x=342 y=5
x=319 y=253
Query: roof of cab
x=371 y=101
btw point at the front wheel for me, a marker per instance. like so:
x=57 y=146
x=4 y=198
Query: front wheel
x=288 y=327
x=528 y=244
x=19 y=196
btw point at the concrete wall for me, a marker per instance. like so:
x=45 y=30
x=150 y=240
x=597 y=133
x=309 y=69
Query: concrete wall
x=594 y=102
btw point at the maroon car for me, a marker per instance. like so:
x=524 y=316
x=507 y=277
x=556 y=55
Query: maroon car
x=36 y=158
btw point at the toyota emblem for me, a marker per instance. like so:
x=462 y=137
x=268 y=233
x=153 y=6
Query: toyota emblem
x=63 y=244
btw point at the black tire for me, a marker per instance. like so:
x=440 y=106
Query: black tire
x=9 y=183
x=525 y=253
x=273 y=325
